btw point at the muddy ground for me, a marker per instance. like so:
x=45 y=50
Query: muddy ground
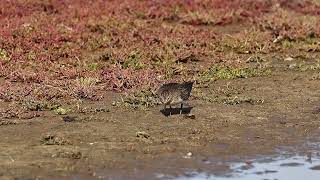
x=283 y=109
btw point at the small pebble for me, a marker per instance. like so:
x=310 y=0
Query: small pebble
x=188 y=155
x=288 y=59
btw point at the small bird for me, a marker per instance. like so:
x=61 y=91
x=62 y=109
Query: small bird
x=174 y=93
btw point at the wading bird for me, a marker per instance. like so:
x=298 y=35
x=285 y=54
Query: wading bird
x=174 y=93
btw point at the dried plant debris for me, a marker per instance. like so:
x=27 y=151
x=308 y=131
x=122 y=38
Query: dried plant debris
x=54 y=139
x=306 y=66
x=14 y=110
x=240 y=100
x=72 y=154
x=142 y=134
x=86 y=110
x=62 y=110
x=7 y=122
x=39 y=105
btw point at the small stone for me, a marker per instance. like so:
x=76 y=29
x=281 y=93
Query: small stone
x=188 y=155
x=288 y=59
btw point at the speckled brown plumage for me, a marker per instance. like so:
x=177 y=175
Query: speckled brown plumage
x=174 y=93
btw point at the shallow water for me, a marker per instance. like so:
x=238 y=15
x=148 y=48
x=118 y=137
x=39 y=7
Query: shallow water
x=298 y=162
x=287 y=163
x=281 y=168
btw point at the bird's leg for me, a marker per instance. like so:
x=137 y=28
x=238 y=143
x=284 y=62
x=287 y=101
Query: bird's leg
x=170 y=110
x=181 y=108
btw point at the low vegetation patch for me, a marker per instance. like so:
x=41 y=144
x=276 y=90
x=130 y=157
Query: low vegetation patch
x=59 y=51
x=224 y=72
x=228 y=95
x=142 y=100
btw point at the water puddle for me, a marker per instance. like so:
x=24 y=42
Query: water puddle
x=288 y=163
x=289 y=168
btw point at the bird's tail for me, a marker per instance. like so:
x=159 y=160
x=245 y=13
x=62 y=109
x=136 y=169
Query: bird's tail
x=188 y=85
